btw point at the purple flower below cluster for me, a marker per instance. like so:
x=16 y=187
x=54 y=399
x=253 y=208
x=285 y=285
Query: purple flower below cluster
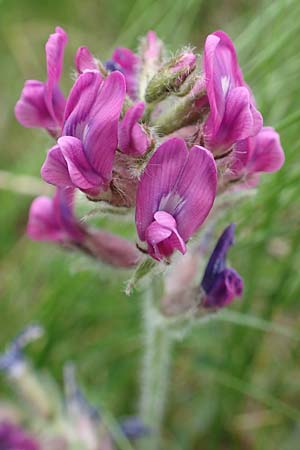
x=220 y=283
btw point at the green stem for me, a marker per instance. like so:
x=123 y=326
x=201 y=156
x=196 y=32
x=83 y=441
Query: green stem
x=155 y=373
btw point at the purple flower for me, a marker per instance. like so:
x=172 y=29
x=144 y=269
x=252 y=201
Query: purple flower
x=134 y=428
x=13 y=355
x=132 y=136
x=42 y=105
x=54 y=220
x=84 y=61
x=233 y=115
x=83 y=157
x=220 y=283
x=13 y=437
x=174 y=196
x=261 y=153
x=127 y=62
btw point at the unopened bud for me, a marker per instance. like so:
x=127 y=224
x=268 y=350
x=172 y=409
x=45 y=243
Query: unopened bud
x=151 y=55
x=188 y=110
x=170 y=77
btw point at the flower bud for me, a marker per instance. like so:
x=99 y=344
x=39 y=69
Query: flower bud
x=151 y=56
x=221 y=284
x=170 y=77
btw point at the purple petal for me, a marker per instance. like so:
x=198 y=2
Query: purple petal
x=31 y=109
x=54 y=56
x=128 y=63
x=132 y=138
x=42 y=225
x=237 y=123
x=101 y=136
x=162 y=236
x=222 y=73
x=221 y=284
x=53 y=219
x=82 y=175
x=196 y=187
x=217 y=261
x=228 y=285
x=267 y=154
x=55 y=169
x=84 y=60
x=261 y=153
x=158 y=180
x=223 y=77
x=80 y=103
x=133 y=428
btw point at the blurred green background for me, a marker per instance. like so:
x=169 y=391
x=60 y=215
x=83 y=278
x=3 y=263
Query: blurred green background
x=236 y=383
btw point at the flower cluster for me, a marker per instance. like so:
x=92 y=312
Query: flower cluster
x=164 y=135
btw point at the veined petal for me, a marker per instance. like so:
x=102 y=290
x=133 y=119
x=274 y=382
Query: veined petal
x=80 y=103
x=237 y=123
x=54 y=56
x=80 y=171
x=267 y=154
x=31 y=110
x=132 y=139
x=196 y=186
x=55 y=169
x=84 y=60
x=222 y=73
x=158 y=180
x=100 y=138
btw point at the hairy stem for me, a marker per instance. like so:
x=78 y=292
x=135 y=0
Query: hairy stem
x=155 y=373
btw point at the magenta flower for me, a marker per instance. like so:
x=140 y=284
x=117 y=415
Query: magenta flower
x=233 y=115
x=13 y=437
x=127 y=62
x=133 y=138
x=261 y=153
x=174 y=196
x=42 y=105
x=220 y=283
x=53 y=219
x=84 y=60
x=84 y=155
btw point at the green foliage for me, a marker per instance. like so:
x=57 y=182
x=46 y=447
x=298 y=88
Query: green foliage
x=236 y=382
